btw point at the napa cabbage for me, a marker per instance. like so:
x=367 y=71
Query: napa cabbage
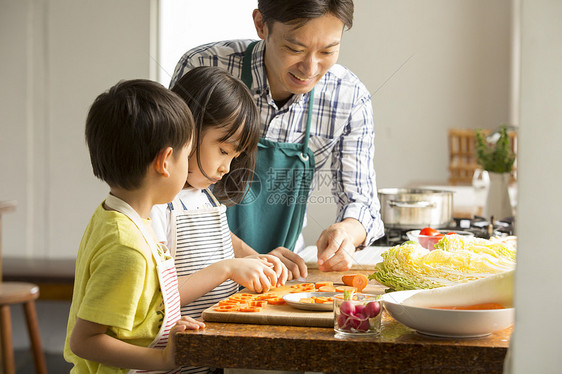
x=454 y=260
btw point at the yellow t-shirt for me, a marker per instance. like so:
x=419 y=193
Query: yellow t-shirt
x=116 y=284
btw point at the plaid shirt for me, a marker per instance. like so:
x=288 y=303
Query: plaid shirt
x=342 y=126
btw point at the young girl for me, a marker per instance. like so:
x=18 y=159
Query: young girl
x=211 y=262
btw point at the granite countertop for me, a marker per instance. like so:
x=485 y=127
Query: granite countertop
x=398 y=349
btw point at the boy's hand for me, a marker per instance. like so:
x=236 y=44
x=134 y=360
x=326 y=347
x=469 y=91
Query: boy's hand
x=256 y=274
x=279 y=268
x=294 y=263
x=185 y=323
x=188 y=323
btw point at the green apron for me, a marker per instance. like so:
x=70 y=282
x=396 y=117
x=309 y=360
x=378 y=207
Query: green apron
x=272 y=212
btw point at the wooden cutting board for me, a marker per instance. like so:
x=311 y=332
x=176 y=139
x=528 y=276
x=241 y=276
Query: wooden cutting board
x=284 y=314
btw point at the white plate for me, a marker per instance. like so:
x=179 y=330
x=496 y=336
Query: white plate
x=293 y=300
x=443 y=322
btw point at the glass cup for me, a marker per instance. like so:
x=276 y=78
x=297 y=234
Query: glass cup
x=362 y=315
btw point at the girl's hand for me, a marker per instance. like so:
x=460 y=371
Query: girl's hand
x=185 y=323
x=294 y=263
x=279 y=268
x=256 y=274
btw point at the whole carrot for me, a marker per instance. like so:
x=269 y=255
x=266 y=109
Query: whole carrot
x=359 y=281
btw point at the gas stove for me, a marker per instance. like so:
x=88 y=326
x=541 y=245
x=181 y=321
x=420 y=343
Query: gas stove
x=479 y=226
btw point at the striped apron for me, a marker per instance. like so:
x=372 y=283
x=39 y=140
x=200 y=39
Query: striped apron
x=202 y=237
x=166 y=275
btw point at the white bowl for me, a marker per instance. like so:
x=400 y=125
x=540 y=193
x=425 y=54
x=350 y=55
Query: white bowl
x=428 y=242
x=446 y=322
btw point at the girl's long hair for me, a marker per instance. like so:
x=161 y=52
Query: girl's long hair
x=218 y=99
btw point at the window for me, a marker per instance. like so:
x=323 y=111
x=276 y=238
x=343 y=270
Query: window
x=185 y=24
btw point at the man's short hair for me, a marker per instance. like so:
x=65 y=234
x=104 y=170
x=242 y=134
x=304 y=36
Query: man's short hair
x=298 y=12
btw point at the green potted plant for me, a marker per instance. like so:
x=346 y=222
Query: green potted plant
x=497 y=158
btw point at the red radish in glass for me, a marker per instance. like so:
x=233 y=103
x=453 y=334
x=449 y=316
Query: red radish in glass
x=357 y=313
x=372 y=309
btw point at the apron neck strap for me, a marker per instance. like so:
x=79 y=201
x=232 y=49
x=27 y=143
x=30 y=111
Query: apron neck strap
x=247 y=66
x=115 y=203
x=308 y=120
x=211 y=197
x=248 y=80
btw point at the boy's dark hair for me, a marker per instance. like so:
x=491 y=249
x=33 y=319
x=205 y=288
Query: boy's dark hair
x=298 y=12
x=128 y=125
x=218 y=99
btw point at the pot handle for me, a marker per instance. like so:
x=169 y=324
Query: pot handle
x=411 y=204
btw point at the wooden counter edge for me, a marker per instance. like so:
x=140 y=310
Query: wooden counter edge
x=316 y=349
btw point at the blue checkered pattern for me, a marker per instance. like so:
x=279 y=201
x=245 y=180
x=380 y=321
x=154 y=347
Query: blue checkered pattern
x=342 y=126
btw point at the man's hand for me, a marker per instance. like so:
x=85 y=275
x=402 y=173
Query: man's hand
x=337 y=244
x=294 y=263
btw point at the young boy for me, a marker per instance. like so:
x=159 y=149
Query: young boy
x=126 y=300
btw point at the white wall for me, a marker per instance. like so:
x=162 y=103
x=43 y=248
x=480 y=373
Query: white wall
x=183 y=26
x=57 y=56
x=430 y=65
x=536 y=340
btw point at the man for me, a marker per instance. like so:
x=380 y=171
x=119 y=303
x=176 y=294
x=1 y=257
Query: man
x=311 y=109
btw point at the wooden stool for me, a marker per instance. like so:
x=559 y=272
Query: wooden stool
x=18 y=293
x=26 y=294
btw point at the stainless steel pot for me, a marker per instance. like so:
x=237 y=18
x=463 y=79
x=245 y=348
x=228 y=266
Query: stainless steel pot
x=411 y=208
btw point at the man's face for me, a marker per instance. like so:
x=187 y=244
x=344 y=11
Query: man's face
x=296 y=59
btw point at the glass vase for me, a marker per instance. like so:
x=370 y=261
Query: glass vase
x=498 y=203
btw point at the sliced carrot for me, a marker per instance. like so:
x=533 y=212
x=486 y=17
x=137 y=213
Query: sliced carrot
x=359 y=281
x=276 y=301
x=347 y=279
x=302 y=285
x=344 y=288
x=258 y=303
x=319 y=285
x=228 y=302
x=307 y=300
x=244 y=294
x=321 y=300
x=327 y=289
x=227 y=308
x=302 y=289
x=265 y=296
x=251 y=309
